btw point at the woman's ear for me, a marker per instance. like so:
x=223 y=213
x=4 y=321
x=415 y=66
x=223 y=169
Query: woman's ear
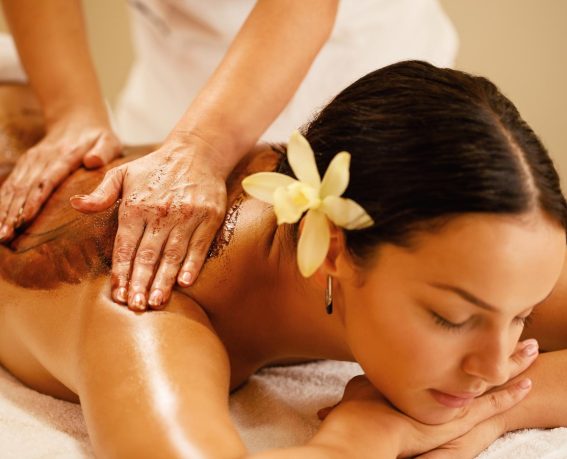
x=334 y=262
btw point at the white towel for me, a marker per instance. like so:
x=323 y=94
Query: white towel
x=277 y=408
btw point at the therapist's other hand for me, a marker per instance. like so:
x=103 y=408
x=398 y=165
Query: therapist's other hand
x=173 y=202
x=69 y=142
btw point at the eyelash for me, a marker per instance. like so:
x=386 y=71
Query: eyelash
x=444 y=323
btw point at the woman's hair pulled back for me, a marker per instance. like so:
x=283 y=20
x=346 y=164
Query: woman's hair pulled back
x=428 y=144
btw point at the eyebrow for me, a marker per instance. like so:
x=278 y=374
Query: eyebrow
x=467 y=296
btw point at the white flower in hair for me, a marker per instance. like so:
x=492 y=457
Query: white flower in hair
x=320 y=198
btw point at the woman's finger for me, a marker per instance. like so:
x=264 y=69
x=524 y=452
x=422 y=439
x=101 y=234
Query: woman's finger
x=145 y=262
x=526 y=353
x=198 y=249
x=104 y=195
x=129 y=233
x=494 y=403
x=106 y=148
x=173 y=255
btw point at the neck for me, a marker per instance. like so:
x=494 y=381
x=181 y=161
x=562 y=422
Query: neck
x=302 y=328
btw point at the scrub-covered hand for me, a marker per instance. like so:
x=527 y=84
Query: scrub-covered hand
x=173 y=201
x=69 y=142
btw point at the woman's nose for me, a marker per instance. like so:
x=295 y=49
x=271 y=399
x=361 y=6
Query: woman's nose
x=490 y=361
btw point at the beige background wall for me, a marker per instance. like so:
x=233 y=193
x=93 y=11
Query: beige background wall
x=521 y=45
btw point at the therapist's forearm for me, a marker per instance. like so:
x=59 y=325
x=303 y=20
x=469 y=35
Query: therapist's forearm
x=52 y=43
x=261 y=71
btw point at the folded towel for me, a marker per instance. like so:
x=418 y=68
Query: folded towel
x=277 y=408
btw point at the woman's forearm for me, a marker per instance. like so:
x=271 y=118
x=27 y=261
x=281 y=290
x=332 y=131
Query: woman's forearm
x=52 y=44
x=546 y=404
x=259 y=74
x=335 y=442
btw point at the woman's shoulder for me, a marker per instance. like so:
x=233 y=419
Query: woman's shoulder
x=238 y=254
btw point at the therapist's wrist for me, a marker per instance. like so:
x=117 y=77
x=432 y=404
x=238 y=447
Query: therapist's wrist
x=77 y=111
x=219 y=148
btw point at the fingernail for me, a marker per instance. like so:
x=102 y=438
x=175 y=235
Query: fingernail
x=185 y=278
x=120 y=295
x=156 y=297
x=525 y=384
x=80 y=196
x=4 y=231
x=530 y=349
x=139 y=301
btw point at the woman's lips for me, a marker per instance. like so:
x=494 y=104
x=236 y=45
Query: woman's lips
x=452 y=401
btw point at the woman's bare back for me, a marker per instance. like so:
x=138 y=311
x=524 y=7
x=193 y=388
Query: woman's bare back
x=63 y=258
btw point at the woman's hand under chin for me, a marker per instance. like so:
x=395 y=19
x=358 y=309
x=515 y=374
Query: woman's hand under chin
x=486 y=432
x=367 y=419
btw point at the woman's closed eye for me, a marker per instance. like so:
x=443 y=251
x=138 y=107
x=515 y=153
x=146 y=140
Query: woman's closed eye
x=447 y=324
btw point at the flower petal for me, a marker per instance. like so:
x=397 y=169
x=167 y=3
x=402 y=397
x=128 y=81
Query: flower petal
x=336 y=177
x=302 y=160
x=313 y=243
x=285 y=208
x=346 y=213
x=263 y=184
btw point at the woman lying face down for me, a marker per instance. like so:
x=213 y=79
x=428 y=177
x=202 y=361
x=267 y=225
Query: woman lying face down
x=468 y=238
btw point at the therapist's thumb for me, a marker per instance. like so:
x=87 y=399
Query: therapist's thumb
x=103 y=196
x=106 y=148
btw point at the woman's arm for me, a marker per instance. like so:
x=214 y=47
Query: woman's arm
x=548 y=323
x=154 y=385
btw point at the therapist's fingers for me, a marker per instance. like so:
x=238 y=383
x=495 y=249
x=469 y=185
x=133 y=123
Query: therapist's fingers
x=146 y=259
x=128 y=235
x=104 y=195
x=199 y=244
x=106 y=148
x=13 y=216
x=42 y=187
x=173 y=255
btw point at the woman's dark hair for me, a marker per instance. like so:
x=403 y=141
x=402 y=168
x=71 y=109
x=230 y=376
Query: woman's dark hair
x=428 y=144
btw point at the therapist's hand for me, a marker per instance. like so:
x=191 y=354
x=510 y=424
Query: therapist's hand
x=173 y=202
x=75 y=139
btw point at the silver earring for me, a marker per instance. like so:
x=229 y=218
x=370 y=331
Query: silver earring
x=329 y=295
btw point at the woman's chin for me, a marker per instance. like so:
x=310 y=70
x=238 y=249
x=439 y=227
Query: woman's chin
x=435 y=417
x=428 y=413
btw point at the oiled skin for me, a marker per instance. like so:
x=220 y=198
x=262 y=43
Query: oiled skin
x=61 y=334
x=147 y=381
